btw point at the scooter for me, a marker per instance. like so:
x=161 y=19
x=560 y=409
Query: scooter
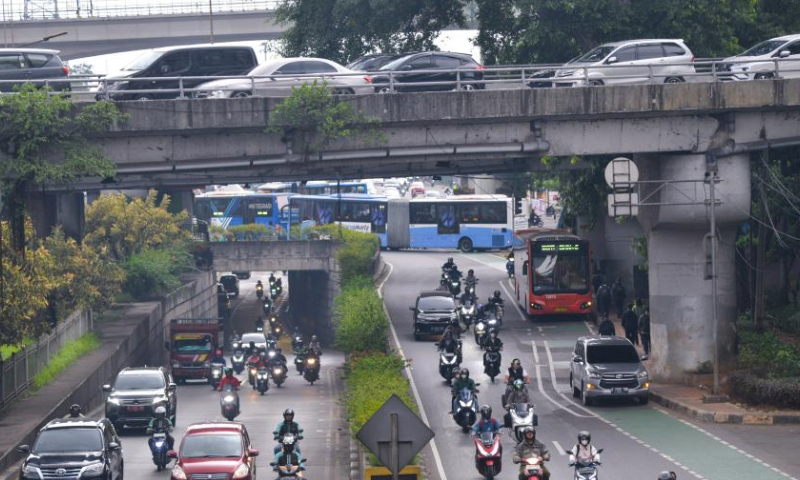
x=480 y=332
x=466 y=409
x=290 y=471
x=522 y=416
x=229 y=403
x=277 y=330
x=267 y=305
x=448 y=366
x=311 y=369
x=297 y=342
x=491 y=364
x=586 y=470
x=159 y=448
x=279 y=373
x=488 y=454
x=259 y=291
x=467 y=312
x=262 y=380
x=216 y=375
x=532 y=468
x=455 y=287
x=273 y=292
x=252 y=371
x=260 y=326
x=510 y=267
x=299 y=362
x=237 y=361
x=469 y=289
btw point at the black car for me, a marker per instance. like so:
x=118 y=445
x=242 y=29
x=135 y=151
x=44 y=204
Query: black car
x=136 y=393
x=374 y=61
x=72 y=449
x=173 y=62
x=231 y=284
x=426 y=67
x=432 y=313
x=32 y=65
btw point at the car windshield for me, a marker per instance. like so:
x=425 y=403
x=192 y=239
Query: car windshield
x=566 y=272
x=253 y=337
x=595 y=55
x=64 y=440
x=763 y=48
x=211 y=446
x=228 y=280
x=611 y=354
x=143 y=61
x=200 y=343
x=139 y=381
x=435 y=303
x=394 y=64
x=370 y=64
x=265 y=68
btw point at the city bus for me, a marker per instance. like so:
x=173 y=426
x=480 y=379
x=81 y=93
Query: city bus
x=552 y=273
x=463 y=222
x=321 y=187
x=232 y=209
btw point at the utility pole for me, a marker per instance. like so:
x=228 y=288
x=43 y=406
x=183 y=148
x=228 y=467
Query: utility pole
x=211 y=19
x=712 y=173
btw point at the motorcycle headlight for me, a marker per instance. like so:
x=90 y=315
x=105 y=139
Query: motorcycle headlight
x=463 y=403
x=271 y=354
x=178 y=473
x=311 y=361
x=480 y=328
x=242 y=471
x=228 y=398
x=94 y=469
x=492 y=321
x=276 y=371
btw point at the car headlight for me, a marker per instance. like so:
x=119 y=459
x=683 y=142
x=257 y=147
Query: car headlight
x=642 y=374
x=242 y=471
x=32 y=470
x=178 y=473
x=585 y=305
x=161 y=399
x=592 y=374
x=94 y=469
x=113 y=400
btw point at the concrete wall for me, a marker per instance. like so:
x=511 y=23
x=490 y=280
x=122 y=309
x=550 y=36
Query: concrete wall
x=272 y=256
x=611 y=247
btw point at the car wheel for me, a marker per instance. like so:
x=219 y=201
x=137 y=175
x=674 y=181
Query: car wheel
x=241 y=95
x=465 y=245
x=575 y=392
x=764 y=76
x=584 y=397
x=596 y=83
x=343 y=91
x=142 y=98
x=468 y=87
x=674 y=80
x=383 y=89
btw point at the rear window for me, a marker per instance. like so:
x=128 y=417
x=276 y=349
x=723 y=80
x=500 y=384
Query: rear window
x=435 y=303
x=37 y=60
x=139 y=381
x=611 y=354
x=64 y=440
x=673 y=50
x=253 y=337
x=212 y=446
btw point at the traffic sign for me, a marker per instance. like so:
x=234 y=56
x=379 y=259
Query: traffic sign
x=621 y=173
x=394 y=434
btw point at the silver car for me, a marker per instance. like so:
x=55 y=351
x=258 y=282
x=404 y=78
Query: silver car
x=280 y=76
x=607 y=367
x=629 y=62
x=777 y=57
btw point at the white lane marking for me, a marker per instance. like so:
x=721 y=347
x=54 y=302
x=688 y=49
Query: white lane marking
x=558 y=447
x=590 y=327
x=477 y=259
x=541 y=387
x=422 y=413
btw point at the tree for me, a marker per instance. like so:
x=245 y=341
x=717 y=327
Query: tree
x=343 y=30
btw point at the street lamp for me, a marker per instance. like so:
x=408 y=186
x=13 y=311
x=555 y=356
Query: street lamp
x=45 y=39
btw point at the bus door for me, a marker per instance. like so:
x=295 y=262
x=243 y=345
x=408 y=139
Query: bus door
x=447 y=219
x=398 y=232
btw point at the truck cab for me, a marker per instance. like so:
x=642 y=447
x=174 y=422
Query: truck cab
x=191 y=344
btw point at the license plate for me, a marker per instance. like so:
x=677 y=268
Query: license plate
x=561 y=309
x=619 y=390
x=136 y=408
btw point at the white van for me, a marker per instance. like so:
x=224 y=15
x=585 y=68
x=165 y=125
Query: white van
x=777 y=57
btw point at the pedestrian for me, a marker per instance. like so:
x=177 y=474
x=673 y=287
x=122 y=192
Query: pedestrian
x=603 y=300
x=606 y=327
x=638 y=307
x=644 y=330
x=618 y=294
x=597 y=281
x=631 y=325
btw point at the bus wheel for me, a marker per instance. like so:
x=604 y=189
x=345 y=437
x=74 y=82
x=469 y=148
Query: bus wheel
x=465 y=245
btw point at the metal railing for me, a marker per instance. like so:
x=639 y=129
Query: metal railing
x=506 y=77
x=33 y=10
x=18 y=372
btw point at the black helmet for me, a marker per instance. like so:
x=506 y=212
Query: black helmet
x=449 y=259
x=252 y=344
x=288 y=413
x=228 y=372
x=75 y=410
x=497 y=294
x=516 y=362
x=465 y=372
x=470 y=272
x=584 y=435
x=486 y=412
x=493 y=332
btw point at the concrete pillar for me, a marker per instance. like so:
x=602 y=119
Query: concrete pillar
x=680 y=299
x=67 y=209
x=180 y=200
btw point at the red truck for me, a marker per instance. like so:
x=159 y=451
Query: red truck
x=192 y=342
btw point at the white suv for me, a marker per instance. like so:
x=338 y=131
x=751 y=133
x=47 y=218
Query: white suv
x=632 y=61
x=759 y=62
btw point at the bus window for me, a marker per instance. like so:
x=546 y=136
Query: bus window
x=423 y=213
x=447 y=219
x=493 y=213
x=469 y=213
x=378 y=217
x=323 y=212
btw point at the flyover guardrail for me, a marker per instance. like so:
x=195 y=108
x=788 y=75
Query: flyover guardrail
x=21 y=11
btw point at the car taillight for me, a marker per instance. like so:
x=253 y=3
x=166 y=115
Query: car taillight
x=480 y=67
x=692 y=60
x=367 y=79
x=65 y=69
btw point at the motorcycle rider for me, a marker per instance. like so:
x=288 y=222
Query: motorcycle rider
x=584 y=451
x=278 y=359
x=491 y=344
x=515 y=372
x=462 y=381
x=256 y=359
x=74 y=411
x=487 y=423
x=288 y=425
x=314 y=345
x=218 y=357
x=448 y=265
x=229 y=379
x=530 y=447
x=251 y=349
x=518 y=394
x=494 y=301
x=455 y=273
x=160 y=424
x=450 y=345
x=259 y=287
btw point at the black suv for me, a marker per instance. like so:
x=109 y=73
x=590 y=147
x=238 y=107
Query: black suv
x=231 y=284
x=137 y=392
x=425 y=67
x=72 y=449
x=32 y=65
x=432 y=313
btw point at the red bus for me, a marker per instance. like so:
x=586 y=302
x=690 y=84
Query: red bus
x=553 y=271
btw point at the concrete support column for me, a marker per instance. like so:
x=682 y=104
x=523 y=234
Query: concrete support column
x=67 y=209
x=681 y=308
x=180 y=200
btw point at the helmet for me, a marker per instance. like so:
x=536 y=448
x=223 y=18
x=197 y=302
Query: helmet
x=493 y=332
x=228 y=372
x=470 y=272
x=161 y=412
x=665 y=475
x=75 y=410
x=259 y=282
x=252 y=344
x=486 y=412
x=519 y=384
x=529 y=430
x=584 y=435
x=497 y=294
x=516 y=362
x=288 y=413
x=313 y=338
x=465 y=373
x=449 y=259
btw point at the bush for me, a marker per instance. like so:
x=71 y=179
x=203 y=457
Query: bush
x=360 y=321
x=765 y=355
x=152 y=273
x=371 y=380
x=253 y=232
x=71 y=352
x=781 y=393
x=356 y=254
x=785 y=318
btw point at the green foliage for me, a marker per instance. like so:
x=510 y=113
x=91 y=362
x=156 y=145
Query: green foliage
x=785 y=318
x=250 y=232
x=755 y=390
x=360 y=320
x=152 y=273
x=371 y=380
x=342 y=30
x=763 y=354
x=583 y=192
x=356 y=254
x=639 y=247
x=65 y=357
x=311 y=118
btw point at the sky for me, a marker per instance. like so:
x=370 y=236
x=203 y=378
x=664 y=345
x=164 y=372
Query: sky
x=449 y=40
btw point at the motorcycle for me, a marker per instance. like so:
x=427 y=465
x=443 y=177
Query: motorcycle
x=267 y=304
x=290 y=471
x=260 y=326
x=311 y=369
x=488 y=454
x=510 y=267
x=273 y=292
x=448 y=366
x=536 y=221
x=532 y=468
x=469 y=290
x=299 y=362
x=480 y=332
x=491 y=364
x=262 y=380
x=522 y=416
x=277 y=330
x=237 y=360
x=586 y=470
x=279 y=372
x=467 y=409
x=467 y=313
x=252 y=371
x=159 y=448
x=229 y=403
x=494 y=317
x=297 y=342
x=445 y=280
x=259 y=291
x=216 y=375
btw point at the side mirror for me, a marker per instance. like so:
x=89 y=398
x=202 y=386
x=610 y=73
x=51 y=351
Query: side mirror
x=413 y=309
x=172 y=454
x=577 y=359
x=106 y=388
x=114 y=446
x=172 y=386
x=406 y=67
x=784 y=53
x=611 y=60
x=599 y=450
x=303 y=460
x=24 y=449
x=252 y=452
x=525 y=267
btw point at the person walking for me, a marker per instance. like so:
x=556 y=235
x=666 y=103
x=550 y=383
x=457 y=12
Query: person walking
x=638 y=307
x=618 y=295
x=606 y=327
x=644 y=330
x=631 y=325
x=603 y=300
x=597 y=282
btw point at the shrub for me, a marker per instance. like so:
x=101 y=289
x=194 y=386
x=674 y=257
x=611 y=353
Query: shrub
x=765 y=355
x=154 y=272
x=371 y=380
x=785 y=318
x=71 y=352
x=253 y=232
x=356 y=254
x=360 y=321
x=781 y=393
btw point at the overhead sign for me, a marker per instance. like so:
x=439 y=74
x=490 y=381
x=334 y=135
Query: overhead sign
x=394 y=434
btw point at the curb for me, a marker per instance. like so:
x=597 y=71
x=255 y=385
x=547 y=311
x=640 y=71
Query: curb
x=711 y=416
x=355 y=463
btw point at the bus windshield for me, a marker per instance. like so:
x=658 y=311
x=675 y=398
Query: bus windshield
x=559 y=268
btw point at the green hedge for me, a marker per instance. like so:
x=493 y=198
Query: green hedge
x=254 y=232
x=360 y=320
x=370 y=381
x=765 y=355
x=355 y=256
x=152 y=273
x=755 y=390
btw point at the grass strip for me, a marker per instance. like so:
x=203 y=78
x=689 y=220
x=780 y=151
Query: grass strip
x=71 y=352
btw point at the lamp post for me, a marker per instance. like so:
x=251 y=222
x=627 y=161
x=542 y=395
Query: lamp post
x=211 y=19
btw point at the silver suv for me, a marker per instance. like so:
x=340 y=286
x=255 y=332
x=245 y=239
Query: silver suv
x=628 y=62
x=607 y=367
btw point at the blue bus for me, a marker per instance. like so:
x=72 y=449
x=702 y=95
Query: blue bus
x=465 y=222
x=232 y=209
x=323 y=187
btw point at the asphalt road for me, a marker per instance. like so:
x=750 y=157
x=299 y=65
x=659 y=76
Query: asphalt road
x=639 y=440
x=326 y=444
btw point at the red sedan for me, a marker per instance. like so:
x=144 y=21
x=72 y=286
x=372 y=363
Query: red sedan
x=215 y=451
